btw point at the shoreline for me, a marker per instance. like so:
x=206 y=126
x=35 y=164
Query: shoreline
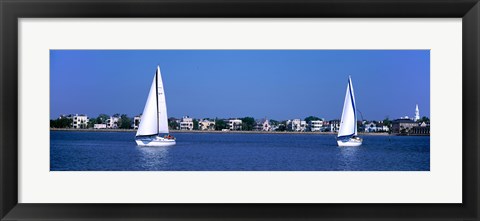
x=219 y=132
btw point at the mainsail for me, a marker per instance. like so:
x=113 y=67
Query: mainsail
x=348 y=123
x=154 y=117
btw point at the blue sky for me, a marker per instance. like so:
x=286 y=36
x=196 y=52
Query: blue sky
x=277 y=84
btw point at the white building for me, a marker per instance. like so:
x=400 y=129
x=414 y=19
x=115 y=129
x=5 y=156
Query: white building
x=235 y=124
x=136 y=121
x=417 y=113
x=99 y=126
x=262 y=125
x=112 y=122
x=291 y=125
x=303 y=125
x=186 y=123
x=334 y=125
x=375 y=127
x=370 y=127
x=316 y=125
x=206 y=125
x=296 y=125
x=79 y=121
x=382 y=127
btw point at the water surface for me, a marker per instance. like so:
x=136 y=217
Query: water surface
x=117 y=151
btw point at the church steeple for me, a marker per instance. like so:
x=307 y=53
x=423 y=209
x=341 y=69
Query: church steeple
x=417 y=113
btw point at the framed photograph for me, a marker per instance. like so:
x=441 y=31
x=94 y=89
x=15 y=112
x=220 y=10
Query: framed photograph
x=239 y=110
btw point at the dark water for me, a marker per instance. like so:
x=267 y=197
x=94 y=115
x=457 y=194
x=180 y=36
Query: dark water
x=117 y=151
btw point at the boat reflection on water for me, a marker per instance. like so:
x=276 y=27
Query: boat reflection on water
x=153 y=158
x=349 y=157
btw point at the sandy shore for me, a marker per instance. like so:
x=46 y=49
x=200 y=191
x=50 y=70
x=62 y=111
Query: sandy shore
x=210 y=131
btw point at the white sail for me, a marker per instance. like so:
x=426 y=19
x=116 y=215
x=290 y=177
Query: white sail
x=162 y=105
x=348 y=123
x=154 y=117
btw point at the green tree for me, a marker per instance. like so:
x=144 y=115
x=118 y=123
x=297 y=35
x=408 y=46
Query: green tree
x=220 y=124
x=92 y=122
x=102 y=118
x=387 y=122
x=282 y=126
x=195 y=124
x=125 y=122
x=248 y=123
x=274 y=122
x=173 y=124
x=424 y=119
x=310 y=118
x=360 y=125
x=61 y=123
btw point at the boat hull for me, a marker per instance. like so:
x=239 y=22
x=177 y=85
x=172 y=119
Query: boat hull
x=351 y=142
x=154 y=142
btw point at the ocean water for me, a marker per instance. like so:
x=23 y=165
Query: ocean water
x=117 y=151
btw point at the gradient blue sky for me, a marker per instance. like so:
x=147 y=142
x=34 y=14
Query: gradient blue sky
x=278 y=84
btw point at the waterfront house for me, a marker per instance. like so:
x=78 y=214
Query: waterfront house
x=186 y=123
x=334 y=125
x=262 y=125
x=296 y=125
x=403 y=125
x=303 y=126
x=206 y=125
x=381 y=127
x=370 y=127
x=136 y=121
x=112 y=122
x=422 y=129
x=316 y=125
x=235 y=124
x=293 y=125
x=79 y=121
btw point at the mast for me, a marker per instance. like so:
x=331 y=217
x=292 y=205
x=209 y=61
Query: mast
x=156 y=98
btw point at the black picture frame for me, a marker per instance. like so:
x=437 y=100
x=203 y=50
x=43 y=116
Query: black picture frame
x=11 y=10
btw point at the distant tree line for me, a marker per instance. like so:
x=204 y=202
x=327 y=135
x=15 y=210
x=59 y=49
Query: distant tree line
x=124 y=122
x=61 y=123
x=248 y=123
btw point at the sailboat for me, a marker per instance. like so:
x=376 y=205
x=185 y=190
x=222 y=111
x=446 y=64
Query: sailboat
x=347 y=134
x=153 y=122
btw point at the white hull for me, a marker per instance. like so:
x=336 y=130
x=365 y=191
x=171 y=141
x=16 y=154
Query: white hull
x=155 y=142
x=352 y=142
